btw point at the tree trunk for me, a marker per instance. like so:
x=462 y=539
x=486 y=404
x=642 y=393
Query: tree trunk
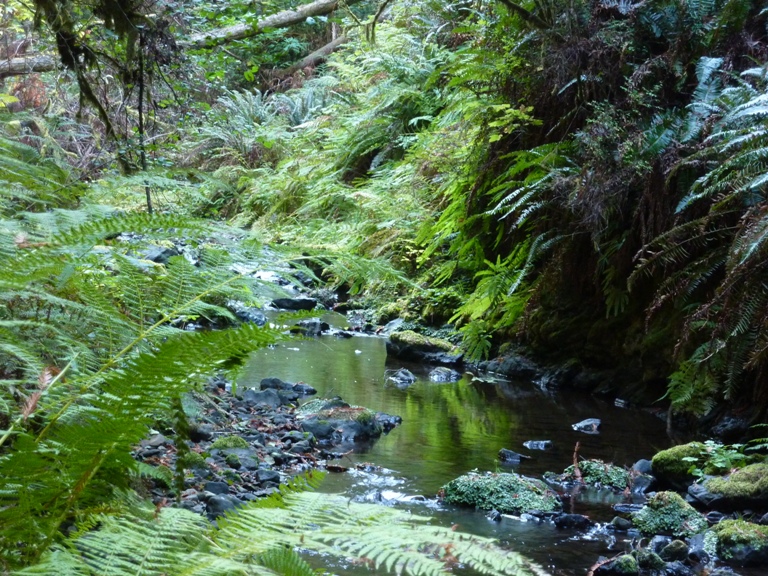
x=27 y=65
x=318 y=56
x=280 y=20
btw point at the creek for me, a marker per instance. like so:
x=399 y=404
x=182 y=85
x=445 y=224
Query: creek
x=449 y=429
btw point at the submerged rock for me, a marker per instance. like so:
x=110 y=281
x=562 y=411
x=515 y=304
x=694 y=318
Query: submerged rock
x=538 y=444
x=511 y=457
x=444 y=374
x=402 y=378
x=334 y=421
x=588 y=426
x=506 y=492
x=409 y=345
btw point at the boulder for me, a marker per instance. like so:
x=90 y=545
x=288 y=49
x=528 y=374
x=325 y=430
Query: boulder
x=444 y=374
x=402 y=378
x=247 y=313
x=668 y=513
x=743 y=488
x=220 y=504
x=573 y=521
x=511 y=457
x=514 y=366
x=267 y=397
x=312 y=327
x=670 y=467
x=593 y=473
x=624 y=565
x=287 y=389
x=409 y=345
x=742 y=542
x=294 y=303
x=506 y=492
x=334 y=421
x=159 y=254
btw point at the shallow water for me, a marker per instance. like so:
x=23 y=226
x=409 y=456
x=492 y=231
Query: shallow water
x=450 y=429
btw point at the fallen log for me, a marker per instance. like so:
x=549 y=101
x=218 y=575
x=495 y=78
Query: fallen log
x=28 y=65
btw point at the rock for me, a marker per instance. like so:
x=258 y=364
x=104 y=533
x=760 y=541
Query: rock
x=743 y=488
x=588 y=426
x=300 y=388
x=510 y=457
x=658 y=542
x=621 y=524
x=699 y=549
x=677 y=568
x=216 y=487
x=267 y=397
x=742 y=542
x=643 y=466
x=624 y=565
x=220 y=504
x=675 y=551
x=402 y=378
x=444 y=374
x=668 y=513
x=576 y=521
x=538 y=444
x=265 y=475
x=387 y=421
x=514 y=366
x=159 y=254
x=494 y=516
x=628 y=508
x=392 y=326
x=641 y=484
x=508 y=493
x=294 y=303
x=157 y=440
x=409 y=345
x=593 y=473
x=200 y=432
x=730 y=429
x=247 y=313
x=320 y=429
x=649 y=560
x=313 y=326
x=670 y=467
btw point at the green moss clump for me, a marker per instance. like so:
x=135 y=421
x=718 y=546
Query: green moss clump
x=670 y=466
x=192 y=460
x=649 y=560
x=365 y=417
x=411 y=338
x=233 y=461
x=747 y=483
x=625 y=564
x=598 y=473
x=668 y=513
x=734 y=536
x=505 y=492
x=229 y=442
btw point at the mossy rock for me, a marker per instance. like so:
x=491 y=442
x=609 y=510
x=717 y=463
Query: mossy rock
x=597 y=473
x=668 y=513
x=742 y=541
x=748 y=485
x=193 y=460
x=229 y=442
x=506 y=492
x=670 y=467
x=411 y=338
x=624 y=564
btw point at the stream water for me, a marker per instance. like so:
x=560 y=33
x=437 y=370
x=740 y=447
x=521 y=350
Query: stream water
x=449 y=429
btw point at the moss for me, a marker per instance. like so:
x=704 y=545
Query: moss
x=649 y=560
x=365 y=417
x=669 y=465
x=233 y=461
x=668 y=513
x=746 y=483
x=505 y=492
x=625 y=564
x=411 y=338
x=192 y=460
x=735 y=534
x=229 y=442
x=598 y=473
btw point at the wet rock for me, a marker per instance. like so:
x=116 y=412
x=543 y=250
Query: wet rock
x=444 y=374
x=220 y=504
x=294 y=303
x=574 y=521
x=265 y=475
x=313 y=326
x=299 y=388
x=538 y=444
x=628 y=508
x=675 y=551
x=593 y=473
x=514 y=366
x=247 y=313
x=641 y=484
x=649 y=560
x=658 y=542
x=494 y=516
x=620 y=524
x=697 y=549
x=216 y=487
x=157 y=440
x=387 y=421
x=588 y=426
x=624 y=565
x=392 y=326
x=511 y=457
x=267 y=397
x=677 y=568
x=409 y=345
x=671 y=468
x=505 y=492
x=201 y=432
x=402 y=378
x=158 y=254
x=320 y=429
x=643 y=466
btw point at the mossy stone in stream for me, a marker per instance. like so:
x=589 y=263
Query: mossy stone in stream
x=748 y=483
x=625 y=564
x=229 y=442
x=506 y=492
x=411 y=338
x=742 y=541
x=671 y=467
x=597 y=473
x=668 y=513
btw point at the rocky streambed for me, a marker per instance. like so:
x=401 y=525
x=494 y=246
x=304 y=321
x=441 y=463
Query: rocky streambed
x=475 y=449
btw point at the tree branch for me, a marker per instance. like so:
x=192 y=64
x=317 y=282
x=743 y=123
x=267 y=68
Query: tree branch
x=529 y=17
x=280 y=20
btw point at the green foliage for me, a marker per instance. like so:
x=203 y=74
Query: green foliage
x=261 y=538
x=668 y=513
x=505 y=492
